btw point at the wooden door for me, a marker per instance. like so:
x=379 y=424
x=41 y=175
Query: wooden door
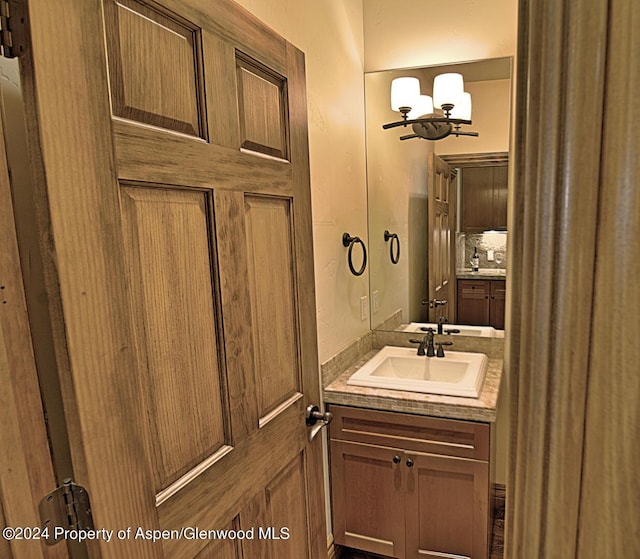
x=26 y=471
x=172 y=142
x=441 y=238
x=367 y=488
x=447 y=507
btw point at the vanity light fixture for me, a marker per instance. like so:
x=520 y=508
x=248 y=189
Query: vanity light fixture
x=432 y=118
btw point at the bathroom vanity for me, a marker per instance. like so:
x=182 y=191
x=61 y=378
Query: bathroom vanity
x=412 y=473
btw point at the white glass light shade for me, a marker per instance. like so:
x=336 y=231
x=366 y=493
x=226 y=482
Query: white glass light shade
x=447 y=89
x=462 y=109
x=404 y=92
x=424 y=106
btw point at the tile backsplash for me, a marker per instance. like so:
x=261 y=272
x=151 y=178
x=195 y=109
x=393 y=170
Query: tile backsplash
x=497 y=242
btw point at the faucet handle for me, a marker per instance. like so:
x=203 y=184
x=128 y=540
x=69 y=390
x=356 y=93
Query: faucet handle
x=420 y=347
x=440 y=352
x=429 y=329
x=451 y=330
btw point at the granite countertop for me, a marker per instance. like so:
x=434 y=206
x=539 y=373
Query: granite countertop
x=483 y=273
x=452 y=407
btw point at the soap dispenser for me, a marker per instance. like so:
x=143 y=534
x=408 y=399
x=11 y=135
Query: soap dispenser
x=475 y=260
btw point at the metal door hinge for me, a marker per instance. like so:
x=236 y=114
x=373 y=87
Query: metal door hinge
x=13 y=28
x=65 y=508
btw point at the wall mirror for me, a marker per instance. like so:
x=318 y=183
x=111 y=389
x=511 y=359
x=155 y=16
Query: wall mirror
x=398 y=175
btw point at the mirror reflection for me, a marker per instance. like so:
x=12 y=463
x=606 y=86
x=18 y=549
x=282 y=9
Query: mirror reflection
x=442 y=205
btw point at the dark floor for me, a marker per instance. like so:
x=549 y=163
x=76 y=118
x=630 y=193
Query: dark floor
x=497 y=535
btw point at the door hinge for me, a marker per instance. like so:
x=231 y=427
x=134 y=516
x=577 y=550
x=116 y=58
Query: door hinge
x=65 y=508
x=13 y=28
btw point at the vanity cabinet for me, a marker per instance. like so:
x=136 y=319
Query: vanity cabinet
x=481 y=302
x=484 y=199
x=409 y=486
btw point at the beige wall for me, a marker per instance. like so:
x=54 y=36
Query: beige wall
x=331 y=35
x=409 y=33
x=491 y=115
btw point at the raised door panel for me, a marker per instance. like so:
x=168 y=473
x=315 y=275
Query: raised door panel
x=275 y=517
x=367 y=492
x=168 y=236
x=273 y=301
x=155 y=67
x=447 y=508
x=224 y=542
x=262 y=106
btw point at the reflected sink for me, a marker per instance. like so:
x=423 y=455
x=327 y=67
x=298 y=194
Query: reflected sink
x=399 y=368
x=483 y=331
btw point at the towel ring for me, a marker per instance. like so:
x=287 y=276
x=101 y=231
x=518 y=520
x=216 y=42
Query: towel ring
x=394 y=237
x=349 y=241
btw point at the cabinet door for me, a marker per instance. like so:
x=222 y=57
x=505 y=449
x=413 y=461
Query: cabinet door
x=446 y=507
x=477 y=199
x=500 y=190
x=497 y=305
x=367 y=494
x=473 y=302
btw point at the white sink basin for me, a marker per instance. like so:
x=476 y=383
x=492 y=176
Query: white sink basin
x=483 y=331
x=399 y=368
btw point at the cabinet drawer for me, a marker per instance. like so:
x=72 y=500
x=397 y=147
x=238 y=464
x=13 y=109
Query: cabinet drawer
x=451 y=437
x=473 y=286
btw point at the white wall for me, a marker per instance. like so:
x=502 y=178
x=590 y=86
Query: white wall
x=331 y=35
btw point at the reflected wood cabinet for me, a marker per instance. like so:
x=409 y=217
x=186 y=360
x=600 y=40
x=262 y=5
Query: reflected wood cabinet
x=409 y=486
x=484 y=199
x=481 y=302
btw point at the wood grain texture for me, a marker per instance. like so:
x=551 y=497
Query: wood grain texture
x=552 y=247
x=448 y=498
x=368 y=498
x=221 y=93
x=164 y=172
x=148 y=155
x=462 y=160
x=26 y=471
x=155 y=67
x=431 y=435
x=231 y=239
x=273 y=301
x=610 y=488
x=262 y=109
x=94 y=353
x=172 y=280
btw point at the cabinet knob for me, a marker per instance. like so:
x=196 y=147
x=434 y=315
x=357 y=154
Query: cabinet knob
x=409 y=463
x=396 y=459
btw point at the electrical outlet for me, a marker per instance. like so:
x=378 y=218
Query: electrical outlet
x=490 y=255
x=375 y=301
x=364 y=307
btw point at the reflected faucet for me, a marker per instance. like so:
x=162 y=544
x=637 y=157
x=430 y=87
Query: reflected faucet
x=442 y=320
